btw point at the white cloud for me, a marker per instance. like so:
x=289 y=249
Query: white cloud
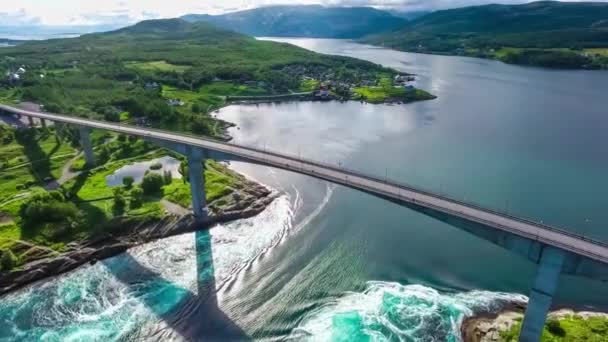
x=123 y=12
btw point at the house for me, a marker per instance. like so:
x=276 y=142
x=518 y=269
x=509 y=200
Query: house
x=20 y=71
x=152 y=85
x=401 y=79
x=13 y=76
x=322 y=92
x=175 y=102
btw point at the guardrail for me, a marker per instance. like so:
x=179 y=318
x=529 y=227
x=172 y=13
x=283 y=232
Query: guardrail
x=347 y=172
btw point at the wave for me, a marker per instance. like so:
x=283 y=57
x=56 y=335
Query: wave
x=387 y=311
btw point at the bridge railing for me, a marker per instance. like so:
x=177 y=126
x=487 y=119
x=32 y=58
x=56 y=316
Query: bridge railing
x=328 y=166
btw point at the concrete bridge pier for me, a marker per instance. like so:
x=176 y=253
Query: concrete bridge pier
x=43 y=123
x=31 y=121
x=87 y=147
x=541 y=295
x=197 y=182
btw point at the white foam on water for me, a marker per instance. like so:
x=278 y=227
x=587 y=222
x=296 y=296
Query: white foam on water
x=387 y=311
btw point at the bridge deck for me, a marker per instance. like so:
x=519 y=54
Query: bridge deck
x=545 y=234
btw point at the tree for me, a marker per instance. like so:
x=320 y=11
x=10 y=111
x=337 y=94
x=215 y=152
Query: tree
x=168 y=177
x=196 y=108
x=49 y=208
x=152 y=183
x=137 y=198
x=8 y=261
x=128 y=182
x=112 y=116
x=120 y=203
x=183 y=170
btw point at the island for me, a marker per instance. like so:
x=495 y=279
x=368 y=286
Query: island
x=57 y=213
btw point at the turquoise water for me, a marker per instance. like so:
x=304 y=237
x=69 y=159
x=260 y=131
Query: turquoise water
x=326 y=263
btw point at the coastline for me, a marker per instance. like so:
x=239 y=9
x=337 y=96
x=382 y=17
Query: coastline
x=254 y=199
x=253 y=100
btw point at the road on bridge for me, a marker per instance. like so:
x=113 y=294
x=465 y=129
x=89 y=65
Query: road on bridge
x=384 y=188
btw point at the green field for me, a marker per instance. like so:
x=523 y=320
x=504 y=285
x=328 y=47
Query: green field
x=309 y=85
x=219 y=182
x=383 y=93
x=598 y=51
x=157 y=66
x=571 y=328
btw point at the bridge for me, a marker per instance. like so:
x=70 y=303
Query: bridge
x=555 y=251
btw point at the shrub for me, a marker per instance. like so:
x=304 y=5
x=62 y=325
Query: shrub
x=48 y=207
x=152 y=183
x=555 y=328
x=128 y=182
x=168 y=177
x=112 y=116
x=137 y=198
x=119 y=202
x=156 y=166
x=196 y=108
x=8 y=261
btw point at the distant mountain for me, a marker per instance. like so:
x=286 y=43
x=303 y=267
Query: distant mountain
x=536 y=24
x=306 y=21
x=39 y=32
x=408 y=15
x=483 y=30
x=535 y=16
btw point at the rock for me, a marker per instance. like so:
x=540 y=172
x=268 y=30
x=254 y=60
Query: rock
x=37 y=253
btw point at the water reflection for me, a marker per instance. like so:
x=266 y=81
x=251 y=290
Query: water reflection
x=139 y=169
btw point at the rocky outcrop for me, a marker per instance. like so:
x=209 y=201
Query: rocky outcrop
x=487 y=327
x=46 y=263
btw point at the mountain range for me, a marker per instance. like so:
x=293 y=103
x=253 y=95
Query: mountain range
x=306 y=21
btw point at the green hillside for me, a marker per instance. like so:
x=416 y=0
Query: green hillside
x=125 y=74
x=306 y=21
x=544 y=33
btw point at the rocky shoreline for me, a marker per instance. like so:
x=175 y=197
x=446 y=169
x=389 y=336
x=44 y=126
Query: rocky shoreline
x=47 y=263
x=488 y=327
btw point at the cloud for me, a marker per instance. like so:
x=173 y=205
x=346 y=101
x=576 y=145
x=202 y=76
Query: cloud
x=124 y=12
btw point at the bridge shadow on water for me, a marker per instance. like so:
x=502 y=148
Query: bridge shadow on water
x=194 y=316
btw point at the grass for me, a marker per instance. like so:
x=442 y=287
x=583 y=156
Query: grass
x=382 y=93
x=598 y=51
x=219 y=182
x=26 y=166
x=205 y=100
x=10 y=95
x=157 y=66
x=309 y=85
x=503 y=52
x=228 y=88
x=571 y=328
x=211 y=95
x=8 y=233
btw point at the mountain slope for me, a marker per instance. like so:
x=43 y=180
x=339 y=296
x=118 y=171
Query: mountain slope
x=305 y=21
x=531 y=17
x=140 y=68
x=485 y=31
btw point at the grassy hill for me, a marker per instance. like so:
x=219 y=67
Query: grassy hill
x=545 y=33
x=306 y=21
x=120 y=75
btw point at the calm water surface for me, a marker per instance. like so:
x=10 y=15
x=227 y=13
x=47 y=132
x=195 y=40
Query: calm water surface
x=328 y=263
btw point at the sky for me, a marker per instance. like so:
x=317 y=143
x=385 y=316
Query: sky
x=122 y=12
